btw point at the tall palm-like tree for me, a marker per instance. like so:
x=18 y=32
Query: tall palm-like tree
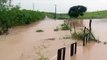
x=76 y=11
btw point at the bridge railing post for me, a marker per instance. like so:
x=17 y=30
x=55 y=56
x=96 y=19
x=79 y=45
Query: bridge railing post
x=61 y=54
x=73 y=49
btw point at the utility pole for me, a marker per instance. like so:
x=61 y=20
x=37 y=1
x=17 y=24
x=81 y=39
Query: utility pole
x=19 y=4
x=55 y=11
x=10 y=3
x=33 y=6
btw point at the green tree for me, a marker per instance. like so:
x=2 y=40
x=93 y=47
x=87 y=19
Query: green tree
x=3 y=4
x=77 y=11
x=12 y=16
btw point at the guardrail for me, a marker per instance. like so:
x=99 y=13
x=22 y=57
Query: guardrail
x=61 y=52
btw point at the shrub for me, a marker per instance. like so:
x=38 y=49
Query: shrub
x=16 y=17
x=64 y=27
x=80 y=35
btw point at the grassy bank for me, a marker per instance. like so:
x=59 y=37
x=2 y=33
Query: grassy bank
x=16 y=17
x=20 y=17
x=12 y=15
x=59 y=16
x=87 y=15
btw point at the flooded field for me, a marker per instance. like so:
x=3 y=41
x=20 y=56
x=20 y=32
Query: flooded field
x=24 y=43
x=99 y=28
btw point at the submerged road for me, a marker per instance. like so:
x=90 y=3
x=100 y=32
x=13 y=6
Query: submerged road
x=24 y=43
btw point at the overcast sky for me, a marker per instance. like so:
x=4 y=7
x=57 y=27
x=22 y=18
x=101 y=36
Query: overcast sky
x=62 y=5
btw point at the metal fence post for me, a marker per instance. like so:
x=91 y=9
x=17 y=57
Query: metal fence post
x=84 y=37
x=72 y=50
x=64 y=49
x=61 y=54
x=75 y=47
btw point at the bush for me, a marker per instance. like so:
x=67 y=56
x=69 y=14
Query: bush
x=78 y=36
x=16 y=17
x=64 y=27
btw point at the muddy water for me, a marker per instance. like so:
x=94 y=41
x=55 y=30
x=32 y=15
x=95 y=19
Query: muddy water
x=99 y=28
x=24 y=43
x=94 y=51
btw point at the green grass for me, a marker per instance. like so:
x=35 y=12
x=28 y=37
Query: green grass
x=59 y=16
x=64 y=27
x=96 y=15
x=80 y=35
x=87 y=15
x=42 y=57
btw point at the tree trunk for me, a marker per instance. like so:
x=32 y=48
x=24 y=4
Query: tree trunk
x=74 y=27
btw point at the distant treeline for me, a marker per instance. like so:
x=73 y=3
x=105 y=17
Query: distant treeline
x=58 y=16
x=87 y=15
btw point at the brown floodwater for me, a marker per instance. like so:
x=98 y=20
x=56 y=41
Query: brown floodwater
x=99 y=28
x=94 y=51
x=24 y=43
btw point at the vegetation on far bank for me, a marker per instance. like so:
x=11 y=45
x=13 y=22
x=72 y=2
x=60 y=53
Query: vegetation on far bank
x=87 y=15
x=16 y=17
x=12 y=16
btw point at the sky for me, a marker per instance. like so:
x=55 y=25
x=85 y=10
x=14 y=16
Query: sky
x=62 y=5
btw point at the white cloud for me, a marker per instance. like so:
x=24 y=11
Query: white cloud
x=62 y=5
